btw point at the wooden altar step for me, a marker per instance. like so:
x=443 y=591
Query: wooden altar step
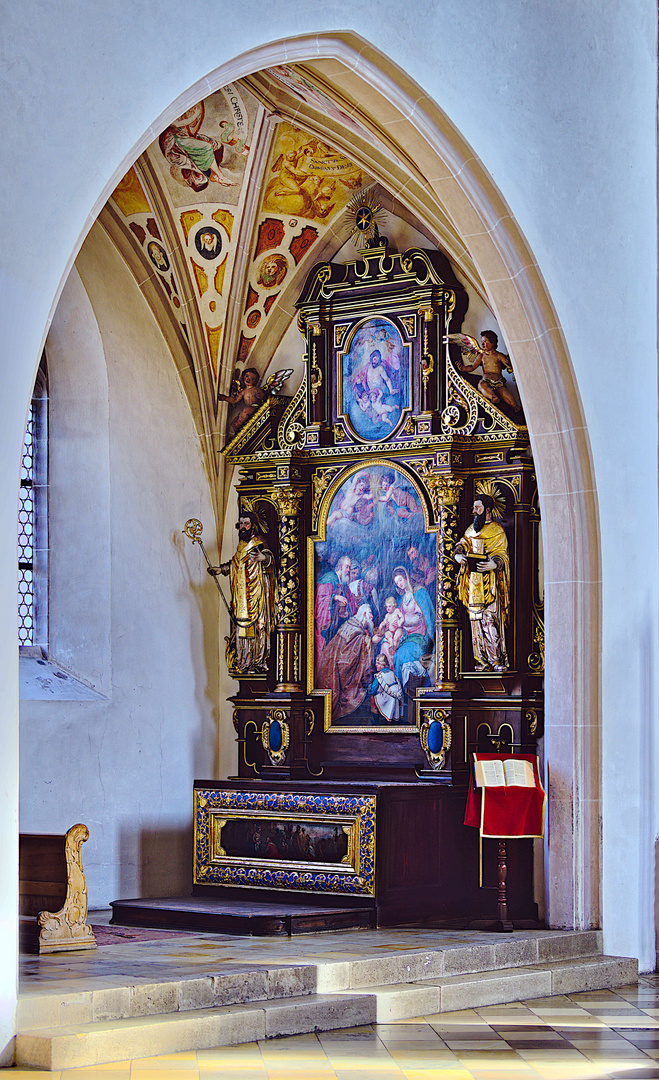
x=226 y=915
x=136 y=1018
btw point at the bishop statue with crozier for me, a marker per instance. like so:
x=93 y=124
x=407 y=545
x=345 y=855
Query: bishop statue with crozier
x=252 y=581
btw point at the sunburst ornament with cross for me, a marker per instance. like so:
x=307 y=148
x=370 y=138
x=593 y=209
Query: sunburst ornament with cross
x=367 y=214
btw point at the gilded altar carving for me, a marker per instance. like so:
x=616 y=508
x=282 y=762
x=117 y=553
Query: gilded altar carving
x=409 y=322
x=484 y=579
x=435 y=736
x=291 y=431
x=275 y=736
x=536 y=659
x=253 y=596
x=321 y=480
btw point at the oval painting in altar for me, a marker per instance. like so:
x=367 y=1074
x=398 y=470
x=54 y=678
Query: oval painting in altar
x=375 y=601
x=375 y=379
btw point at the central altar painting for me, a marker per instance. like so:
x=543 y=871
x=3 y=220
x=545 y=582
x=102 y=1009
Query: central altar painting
x=375 y=620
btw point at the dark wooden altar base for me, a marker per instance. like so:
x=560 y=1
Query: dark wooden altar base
x=221 y=915
x=427 y=860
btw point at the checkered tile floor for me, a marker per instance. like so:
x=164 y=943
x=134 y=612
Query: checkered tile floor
x=604 y=1033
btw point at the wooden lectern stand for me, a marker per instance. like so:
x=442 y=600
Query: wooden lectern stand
x=505 y=801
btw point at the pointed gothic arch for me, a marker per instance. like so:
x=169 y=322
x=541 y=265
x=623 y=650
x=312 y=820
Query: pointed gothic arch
x=456 y=182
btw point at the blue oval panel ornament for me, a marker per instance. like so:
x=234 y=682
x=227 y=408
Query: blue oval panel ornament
x=276 y=737
x=436 y=737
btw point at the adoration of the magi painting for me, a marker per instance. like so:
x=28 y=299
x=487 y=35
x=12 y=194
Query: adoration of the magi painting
x=375 y=599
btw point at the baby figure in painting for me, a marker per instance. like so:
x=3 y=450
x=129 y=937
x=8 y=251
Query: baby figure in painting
x=251 y=396
x=390 y=630
x=379 y=410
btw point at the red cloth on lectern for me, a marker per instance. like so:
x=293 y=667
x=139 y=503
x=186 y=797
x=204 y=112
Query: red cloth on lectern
x=507 y=811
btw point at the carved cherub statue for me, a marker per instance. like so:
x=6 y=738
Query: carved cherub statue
x=250 y=396
x=492 y=386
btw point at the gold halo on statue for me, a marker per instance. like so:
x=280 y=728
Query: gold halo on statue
x=489 y=487
x=249 y=506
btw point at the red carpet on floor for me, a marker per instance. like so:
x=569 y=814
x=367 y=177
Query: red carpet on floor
x=122 y=935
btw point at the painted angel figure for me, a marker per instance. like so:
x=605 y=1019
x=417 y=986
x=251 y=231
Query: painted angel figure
x=492 y=385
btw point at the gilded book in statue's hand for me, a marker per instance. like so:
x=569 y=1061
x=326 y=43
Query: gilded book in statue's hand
x=512 y=772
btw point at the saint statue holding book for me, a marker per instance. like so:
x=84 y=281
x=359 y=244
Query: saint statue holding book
x=484 y=585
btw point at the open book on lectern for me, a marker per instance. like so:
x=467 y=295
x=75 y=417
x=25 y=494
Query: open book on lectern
x=509 y=772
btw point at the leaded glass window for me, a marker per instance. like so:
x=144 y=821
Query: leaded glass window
x=33 y=521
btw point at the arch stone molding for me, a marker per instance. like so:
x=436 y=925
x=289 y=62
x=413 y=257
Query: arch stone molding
x=455 y=179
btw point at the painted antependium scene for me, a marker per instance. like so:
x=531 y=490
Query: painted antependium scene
x=375 y=599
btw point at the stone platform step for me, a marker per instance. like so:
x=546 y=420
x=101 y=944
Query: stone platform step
x=482 y=988
x=198 y=1029
x=236 y=983
x=226 y=915
x=145 y=1019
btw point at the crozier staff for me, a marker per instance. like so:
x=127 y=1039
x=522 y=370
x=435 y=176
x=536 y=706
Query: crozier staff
x=251 y=574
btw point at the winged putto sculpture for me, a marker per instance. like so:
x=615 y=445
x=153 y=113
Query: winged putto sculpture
x=492 y=385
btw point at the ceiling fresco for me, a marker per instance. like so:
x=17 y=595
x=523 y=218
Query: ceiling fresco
x=222 y=216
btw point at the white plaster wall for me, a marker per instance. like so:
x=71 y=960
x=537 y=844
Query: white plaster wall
x=79 y=562
x=132 y=610
x=559 y=102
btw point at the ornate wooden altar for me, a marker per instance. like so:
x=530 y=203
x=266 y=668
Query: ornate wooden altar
x=389 y=661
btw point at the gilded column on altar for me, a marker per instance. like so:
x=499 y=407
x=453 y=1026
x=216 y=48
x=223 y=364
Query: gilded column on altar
x=289 y=637
x=446 y=490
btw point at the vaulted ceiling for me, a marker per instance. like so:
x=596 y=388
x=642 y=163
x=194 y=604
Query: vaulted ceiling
x=222 y=216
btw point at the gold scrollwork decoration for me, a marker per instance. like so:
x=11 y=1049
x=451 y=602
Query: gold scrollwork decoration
x=531 y=718
x=444 y=488
x=409 y=426
x=457 y=654
x=340 y=432
x=536 y=659
x=291 y=433
x=287 y=500
x=321 y=480
x=276 y=722
x=309 y=721
x=434 y=750
x=409 y=322
x=340 y=331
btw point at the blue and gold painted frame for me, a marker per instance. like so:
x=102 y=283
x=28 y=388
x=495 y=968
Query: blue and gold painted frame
x=216 y=810
x=374 y=379
x=392 y=524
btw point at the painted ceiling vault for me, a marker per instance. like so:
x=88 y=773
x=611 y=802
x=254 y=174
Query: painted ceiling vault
x=221 y=218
